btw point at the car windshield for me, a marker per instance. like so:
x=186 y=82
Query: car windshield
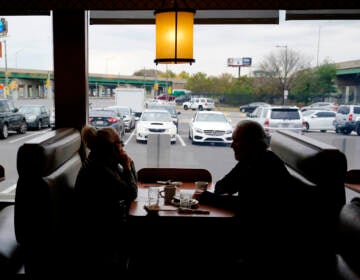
x=3 y=107
x=210 y=118
x=102 y=113
x=29 y=110
x=170 y=109
x=287 y=114
x=307 y=113
x=123 y=111
x=156 y=116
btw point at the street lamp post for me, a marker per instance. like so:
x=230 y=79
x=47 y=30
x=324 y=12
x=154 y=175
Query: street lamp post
x=285 y=91
x=6 y=74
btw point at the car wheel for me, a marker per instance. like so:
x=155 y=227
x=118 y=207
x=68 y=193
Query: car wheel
x=189 y=135
x=201 y=108
x=322 y=130
x=4 y=133
x=39 y=126
x=23 y=128
x=307 y=126
x=346 y=131
x=186 y=107
x=358 y=130
x=337 y=130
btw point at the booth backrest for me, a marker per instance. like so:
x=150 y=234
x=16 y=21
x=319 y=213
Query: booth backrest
x=47 y=168
x=318 y=172
x=348 y=255
x=319 y=166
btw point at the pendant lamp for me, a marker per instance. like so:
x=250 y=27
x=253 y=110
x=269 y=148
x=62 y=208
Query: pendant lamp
x=174 y=35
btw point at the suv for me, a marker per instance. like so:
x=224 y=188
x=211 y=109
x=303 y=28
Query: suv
x=279 y=118
x=345 y=119
x=199 y=103
x=37 y=116
x=10 y=119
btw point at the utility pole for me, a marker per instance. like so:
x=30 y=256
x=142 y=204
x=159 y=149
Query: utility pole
x=6 y=73
x=285 y=91
x=318 y=48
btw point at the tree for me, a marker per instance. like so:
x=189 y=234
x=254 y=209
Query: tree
x=183 y=75
x=198 y=83
x=282 y=65
x=147 y=72
x=314 y=84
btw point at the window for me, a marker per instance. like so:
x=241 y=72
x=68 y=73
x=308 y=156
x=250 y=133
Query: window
x=110 y=60
x=288 y=114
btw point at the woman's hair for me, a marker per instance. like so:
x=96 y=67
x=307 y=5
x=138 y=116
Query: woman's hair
x=102 y=139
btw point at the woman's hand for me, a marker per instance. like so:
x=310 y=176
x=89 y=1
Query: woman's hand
x=123 y=157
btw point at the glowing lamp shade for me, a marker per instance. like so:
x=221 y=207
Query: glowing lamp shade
x=174 y=36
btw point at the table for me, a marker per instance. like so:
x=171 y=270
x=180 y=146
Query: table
x=171 y=238
x=137 y=206
x=354 y=187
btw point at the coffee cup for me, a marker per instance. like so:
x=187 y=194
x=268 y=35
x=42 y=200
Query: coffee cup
x=201 y=185
x=168 y=193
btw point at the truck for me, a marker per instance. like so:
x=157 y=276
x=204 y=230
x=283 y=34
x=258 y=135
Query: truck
x=131 y=97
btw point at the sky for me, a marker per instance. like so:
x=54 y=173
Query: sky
x=124 y=49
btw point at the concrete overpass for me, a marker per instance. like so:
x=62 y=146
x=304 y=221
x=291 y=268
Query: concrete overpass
x=29 y=83
x=348 y=81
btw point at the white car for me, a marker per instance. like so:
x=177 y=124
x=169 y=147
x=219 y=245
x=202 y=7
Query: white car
x=322 y=120
x=210 y=127
x=155 y=122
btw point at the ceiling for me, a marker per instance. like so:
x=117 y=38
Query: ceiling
x=208 y=11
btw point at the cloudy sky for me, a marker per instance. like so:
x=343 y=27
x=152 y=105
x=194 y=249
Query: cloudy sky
x=124 y=49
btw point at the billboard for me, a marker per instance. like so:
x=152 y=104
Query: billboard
x=236 y=62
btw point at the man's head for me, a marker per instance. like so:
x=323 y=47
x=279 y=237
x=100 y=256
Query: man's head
x=249 y=138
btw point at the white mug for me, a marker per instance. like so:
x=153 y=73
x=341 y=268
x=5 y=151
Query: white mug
x=201 y=185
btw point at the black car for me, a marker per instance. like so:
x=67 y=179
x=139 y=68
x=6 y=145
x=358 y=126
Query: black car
x=37 y=116
x=182 y=98
x=249 y=108
x=101 y=118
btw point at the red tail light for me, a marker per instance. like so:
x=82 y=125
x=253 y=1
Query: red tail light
x=303 y=124
x=90 y=119
x=112 y=120
x=266 y=125
x=350 y=117
x=267 y=122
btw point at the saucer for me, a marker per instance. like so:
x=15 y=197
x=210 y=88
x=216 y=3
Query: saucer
x=193 y=203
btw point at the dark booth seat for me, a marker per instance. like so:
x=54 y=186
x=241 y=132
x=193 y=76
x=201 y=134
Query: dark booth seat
x=47 y=167
x=318 y=172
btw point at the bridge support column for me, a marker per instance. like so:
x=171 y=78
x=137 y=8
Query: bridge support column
x=356 y=94
x=347 y=92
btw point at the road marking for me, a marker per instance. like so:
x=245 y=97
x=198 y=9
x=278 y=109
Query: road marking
x=131 y=135
x=181 y=140
x=9 y=189
x=30 y=135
